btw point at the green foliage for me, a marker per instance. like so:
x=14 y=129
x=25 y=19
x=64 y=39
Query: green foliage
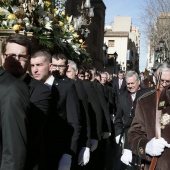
x=52 y=28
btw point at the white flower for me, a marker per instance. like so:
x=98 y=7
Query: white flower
x=4 y=11
x=69 y=41
x=70 y=19
x=165 y=119
x=28 y=26
x=77 y=52
x=47 y=19
x=48 y=25
x=15 y=8
x=40 y=2
x=25 y=6
x=4 y=23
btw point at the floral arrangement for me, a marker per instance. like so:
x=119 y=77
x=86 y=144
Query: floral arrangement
x=51 y=27
x=165 y=120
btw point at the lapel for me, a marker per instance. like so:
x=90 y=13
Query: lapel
x=128 y=98
x=56 y=81
x=28 y=80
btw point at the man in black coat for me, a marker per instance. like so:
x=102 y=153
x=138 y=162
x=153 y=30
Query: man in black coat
x=85 y=136
x=14 y=101
x=16 y=51
x=119 y=84
x=66 y=122
x=125 y=113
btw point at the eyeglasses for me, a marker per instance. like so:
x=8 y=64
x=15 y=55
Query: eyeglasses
x=59 y=66
x=167 y=82
x=21 y=57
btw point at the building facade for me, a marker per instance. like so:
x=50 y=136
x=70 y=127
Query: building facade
x=94 y=41
x=123 y=39
x=159 y=44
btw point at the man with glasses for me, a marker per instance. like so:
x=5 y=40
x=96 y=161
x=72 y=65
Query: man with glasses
x=14 y=110
x=142 y=131
x=16 y=51
x=68 y=107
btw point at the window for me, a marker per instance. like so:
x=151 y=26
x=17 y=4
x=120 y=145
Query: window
x=111 y=43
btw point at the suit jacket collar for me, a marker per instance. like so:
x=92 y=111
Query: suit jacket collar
x=128 y=98
x=28 y=79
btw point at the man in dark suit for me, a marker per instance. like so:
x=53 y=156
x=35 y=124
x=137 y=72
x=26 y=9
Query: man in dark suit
x=16 y=51
x=67 y=106
x=119 y=84
x=125 y=113
x=85 y=136
x=14 y=101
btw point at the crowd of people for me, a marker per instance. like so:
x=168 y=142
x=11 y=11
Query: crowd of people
x=56 y=115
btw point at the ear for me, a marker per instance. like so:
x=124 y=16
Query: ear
x=139 y=81
x=50 y=66
x=76 y=72
x=67 y=67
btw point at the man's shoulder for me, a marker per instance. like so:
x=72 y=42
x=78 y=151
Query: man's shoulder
x=9 y=81
x=147 y=94
x=36 y=85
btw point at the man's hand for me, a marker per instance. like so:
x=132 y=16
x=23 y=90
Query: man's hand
x=112 y=117
x=126 y=158
x=155 y=147
x=118 y=138
x=106 y=135
x=94 y=144
x=84 y=156
x=65 y=162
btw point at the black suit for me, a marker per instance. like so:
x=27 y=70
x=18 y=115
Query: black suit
x=116 y=88
x=95 y=111
x=64 y=123
x=125 y=114
x=100 y=121
x=103 y=96
x=40 y=97
x=14 y=106
x=69 y=109
x=85 y=135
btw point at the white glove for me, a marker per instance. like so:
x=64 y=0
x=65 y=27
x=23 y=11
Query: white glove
x=65 y=162
x=118 y=138
x=126 y=158
x=112 y=117
x=155 y=147
x=106 y=135
x=94 y=144
x=84 y=156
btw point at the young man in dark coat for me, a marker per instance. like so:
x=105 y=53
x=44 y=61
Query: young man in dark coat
x=14 y=102
x=64 y=125
x=16 y=51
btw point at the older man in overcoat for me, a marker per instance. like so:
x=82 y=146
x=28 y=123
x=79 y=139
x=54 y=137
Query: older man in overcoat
x=141 y=135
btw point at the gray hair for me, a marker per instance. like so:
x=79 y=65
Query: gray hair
x=131 y=73
x=72 y=64
x=163 y=67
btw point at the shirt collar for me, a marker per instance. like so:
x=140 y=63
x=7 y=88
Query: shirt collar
x=49 y=81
